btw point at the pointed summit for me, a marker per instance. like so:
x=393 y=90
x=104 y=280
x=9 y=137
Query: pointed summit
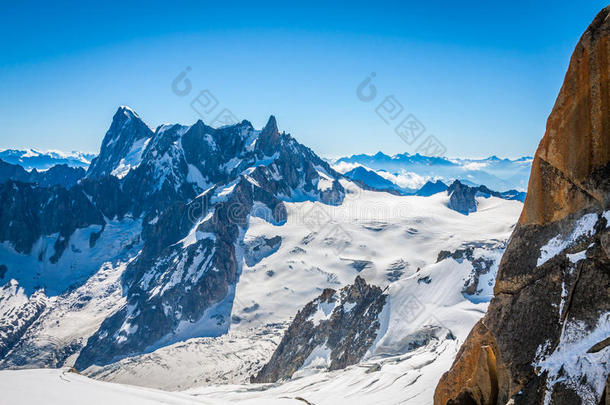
x=269 y=137
x=576 y=144
x=127 y=111
x=271 y=124
x=127 y=129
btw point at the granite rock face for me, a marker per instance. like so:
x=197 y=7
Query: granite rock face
x=341 y=324
x=462 y=198
x=569 y=171
x=544 y=339
x=481 y=265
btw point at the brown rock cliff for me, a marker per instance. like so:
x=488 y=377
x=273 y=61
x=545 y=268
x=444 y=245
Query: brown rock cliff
x=538 y=297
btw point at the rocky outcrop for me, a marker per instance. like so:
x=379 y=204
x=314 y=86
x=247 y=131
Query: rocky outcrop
x=126 y=134
x=569 y=171
x=462 y=197
x=58 y=175
x=481 y=265
x=28 y=212
x=337 y=328
x=544 y=339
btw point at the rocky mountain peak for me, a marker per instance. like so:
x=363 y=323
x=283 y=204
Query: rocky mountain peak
x=544 y=339
x=270 y=137
x=127 y=112
x=571 y=162
x=126 y=135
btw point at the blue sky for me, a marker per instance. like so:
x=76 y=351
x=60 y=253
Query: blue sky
x=480 y=77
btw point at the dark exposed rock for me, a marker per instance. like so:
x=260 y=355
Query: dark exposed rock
x=396 y=269
x=462 y=197
x=425 y=280
x=58 y=175
x=28 y=212
x=193 y=190
x=343 y=322
x=126 y=130
x=297 y=250
x=12 y=172
x=431 y=188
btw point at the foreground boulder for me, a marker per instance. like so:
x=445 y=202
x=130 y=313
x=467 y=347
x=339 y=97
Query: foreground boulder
x=546 y=336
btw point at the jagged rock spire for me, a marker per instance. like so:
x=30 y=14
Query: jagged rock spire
x=577 y=139
x=270 y=137
x=126 y=129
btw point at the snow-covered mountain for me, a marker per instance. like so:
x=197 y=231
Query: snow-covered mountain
x=180 y=229
x=410 y=172
x=435 y=280
x=42 y=160
x=198 y=245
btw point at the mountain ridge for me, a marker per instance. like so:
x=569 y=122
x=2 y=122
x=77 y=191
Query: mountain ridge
x=190 y=223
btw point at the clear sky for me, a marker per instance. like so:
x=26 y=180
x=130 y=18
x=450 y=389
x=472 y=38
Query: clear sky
x=481 y=77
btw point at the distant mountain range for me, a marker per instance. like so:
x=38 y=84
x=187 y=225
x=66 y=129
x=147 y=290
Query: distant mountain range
x=408 y=173
x=402 y=174
x=371 y=180
x=33 y=159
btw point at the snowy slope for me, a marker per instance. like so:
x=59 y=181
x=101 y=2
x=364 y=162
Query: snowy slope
x=385 y=239
x=196 y=294
x=374 y=232
x=227 y=359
